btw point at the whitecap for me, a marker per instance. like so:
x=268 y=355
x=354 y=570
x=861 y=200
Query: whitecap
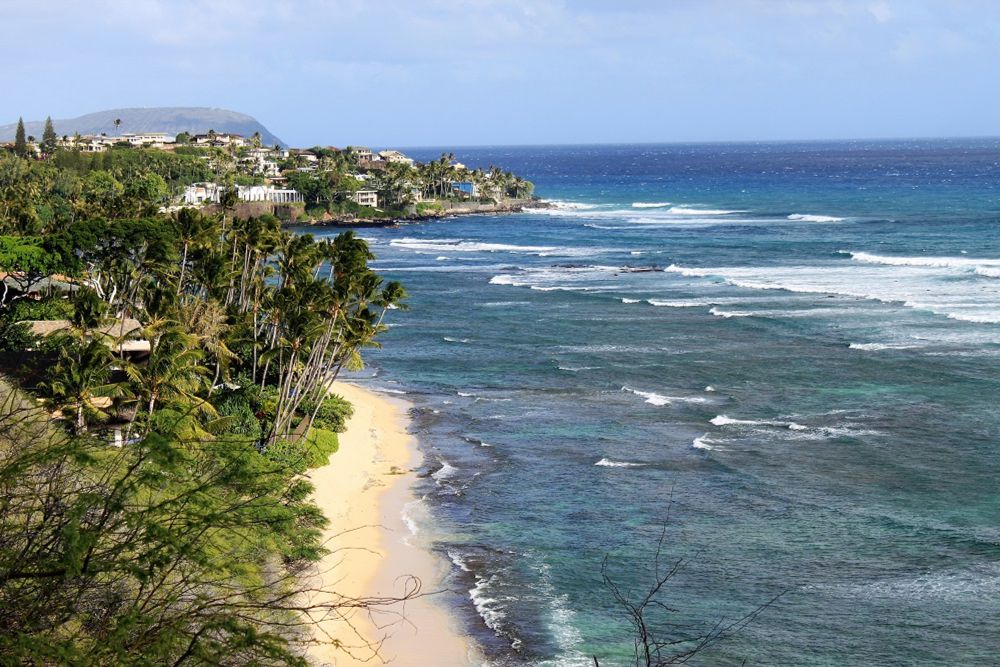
x=455 y=340
x=874 y=347
x=677 y=303
x=686 y=210
x=962 y=263
x=651 y=397
x=659 y=400
x=460 y=245
x=446 y=470
x=650 y=204
x=703 y=442
x=627 y=300
x=723 y=420
x=730 y=313
x=608 y=463
x=806 y=217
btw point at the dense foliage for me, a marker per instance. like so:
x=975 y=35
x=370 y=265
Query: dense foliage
x=152 y=508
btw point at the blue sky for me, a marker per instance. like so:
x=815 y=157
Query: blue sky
x=461 y=72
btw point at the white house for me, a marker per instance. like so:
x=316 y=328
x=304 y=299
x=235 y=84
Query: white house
x=362 y=153
x=203 y=193
x=223 y=139
x=396 y=156
x=148 y=139
x=88 y=143
x=365 y=198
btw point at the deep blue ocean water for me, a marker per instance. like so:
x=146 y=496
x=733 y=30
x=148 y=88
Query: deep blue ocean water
x=789 y=353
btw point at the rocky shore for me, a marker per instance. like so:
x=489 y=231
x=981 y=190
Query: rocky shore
x=448 y=209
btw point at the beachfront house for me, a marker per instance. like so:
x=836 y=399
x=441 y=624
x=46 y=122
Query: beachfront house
x=365 y=198
x=361 y=153
x=465 y=189
x=211 y=193
x=396 y=157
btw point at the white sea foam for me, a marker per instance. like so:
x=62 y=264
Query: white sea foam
x=987 y=267
x=460 y=245
x=928 y=284
x=703 y=442
x=806 y=217
x=459 y=562
x=730 y=313
x=608 y=463
x=464 y=394
x=569 y=205
x=386 y=390
x=650 y=204
x=446 y=471
x=723 y=420
x=590 y=278
x=677 y=303
x=577 y=369
x=627 y=300
x=504 y=304
x=456 y=340
x=651 y=398
x=441 y=258
x=709 y=388
x=487 y=606
x=685 y=210
x=659 y=400
x=874 y=347
x=407 y=515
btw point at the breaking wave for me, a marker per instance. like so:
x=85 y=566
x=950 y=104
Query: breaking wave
x=608 y=463
x=806 y=217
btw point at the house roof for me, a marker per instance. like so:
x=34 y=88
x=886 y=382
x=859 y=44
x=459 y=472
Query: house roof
x=117 y=329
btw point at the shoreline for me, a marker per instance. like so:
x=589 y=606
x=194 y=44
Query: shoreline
x=349 y=222
x=364 y=491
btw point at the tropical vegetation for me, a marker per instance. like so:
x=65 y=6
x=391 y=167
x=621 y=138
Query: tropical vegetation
x=164 y=382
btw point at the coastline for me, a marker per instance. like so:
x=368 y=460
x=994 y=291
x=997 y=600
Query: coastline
x=351 y=221
x=291 y=218
x=364 y=492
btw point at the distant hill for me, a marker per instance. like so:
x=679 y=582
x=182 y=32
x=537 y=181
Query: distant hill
x=154 y=119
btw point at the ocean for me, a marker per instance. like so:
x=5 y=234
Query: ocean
x=786 y=356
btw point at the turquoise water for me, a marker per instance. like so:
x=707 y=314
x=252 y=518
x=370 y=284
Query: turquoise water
x=791 y=348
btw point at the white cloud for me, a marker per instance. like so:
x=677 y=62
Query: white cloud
x=881 y=11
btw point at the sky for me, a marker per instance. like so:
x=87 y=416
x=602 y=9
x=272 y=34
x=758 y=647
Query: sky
x=490 y=72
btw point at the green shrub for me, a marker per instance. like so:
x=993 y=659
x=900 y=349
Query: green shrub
x=333 y=413
x=15 y=337
x=243 y=421
x=53 y=308
x=312 y=452
x=319 y=445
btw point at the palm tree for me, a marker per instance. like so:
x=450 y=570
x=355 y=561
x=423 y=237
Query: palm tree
x=171 y=373
x=79 y=375
x=118 y=124
x=193 y=229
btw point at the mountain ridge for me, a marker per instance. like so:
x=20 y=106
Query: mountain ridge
x=171 y=120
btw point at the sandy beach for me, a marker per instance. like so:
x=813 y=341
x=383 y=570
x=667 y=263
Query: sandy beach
x=364 y=491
